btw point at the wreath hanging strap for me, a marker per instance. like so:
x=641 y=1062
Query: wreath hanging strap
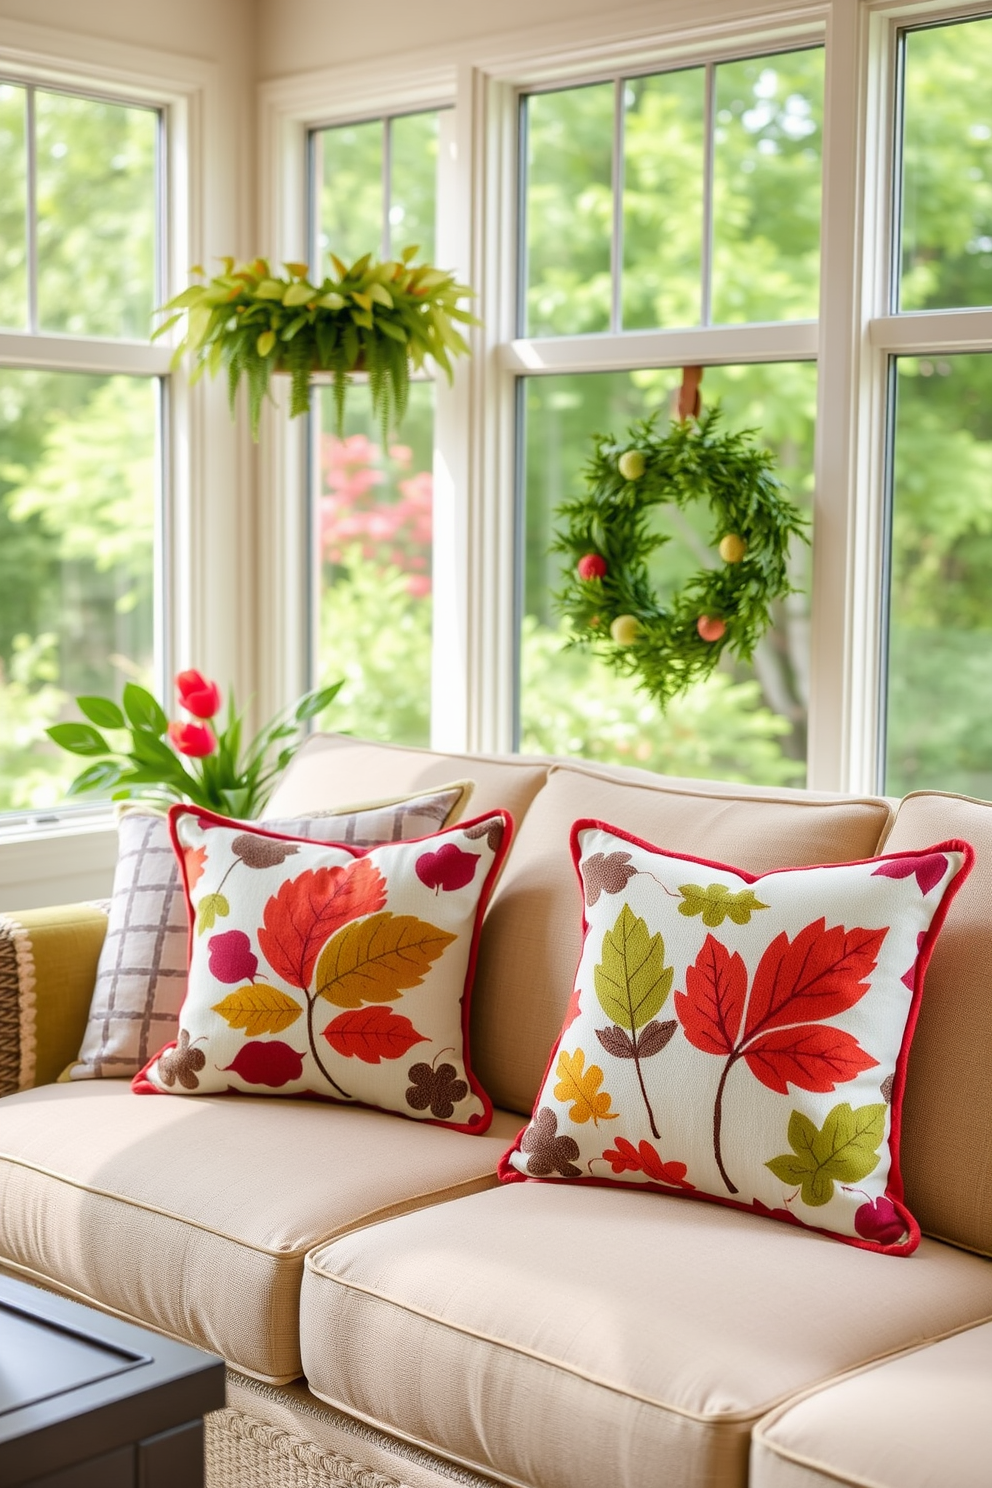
x=608 y=536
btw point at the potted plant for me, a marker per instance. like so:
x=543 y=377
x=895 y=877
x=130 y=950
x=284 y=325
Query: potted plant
x=380 y=318
x=198 y=759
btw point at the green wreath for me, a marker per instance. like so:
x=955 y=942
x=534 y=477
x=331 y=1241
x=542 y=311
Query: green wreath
x=608 y=596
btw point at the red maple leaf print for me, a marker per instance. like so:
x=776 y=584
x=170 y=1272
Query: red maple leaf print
x=778 y=1030
x=811 y=1057
x=711 y=1008
x=307 y=911
x=818 y=975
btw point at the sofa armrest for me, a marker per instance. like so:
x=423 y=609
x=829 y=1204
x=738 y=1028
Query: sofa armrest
x=48 y=960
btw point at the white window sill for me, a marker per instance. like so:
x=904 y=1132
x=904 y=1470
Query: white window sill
x=57 y=861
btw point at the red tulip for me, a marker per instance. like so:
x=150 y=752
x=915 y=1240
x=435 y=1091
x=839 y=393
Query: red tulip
x=197 y=695
x=194 y=739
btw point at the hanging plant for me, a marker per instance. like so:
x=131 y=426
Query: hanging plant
x=608 y=536
x=384 y=319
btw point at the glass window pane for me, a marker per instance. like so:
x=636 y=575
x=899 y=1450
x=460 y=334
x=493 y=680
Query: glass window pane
x=569 y=210
x=663 y=184
x=13 y=208
x=940 y=624
x=96 y=216
x=947 y=168
x=744 y=723
x=78 y=477
x=373 y=516
x=413 y=183
x=766 y=188
x=350 y=202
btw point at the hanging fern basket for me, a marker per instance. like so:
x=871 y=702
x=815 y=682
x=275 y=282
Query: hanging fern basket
x=384 y=319
x=609 y=537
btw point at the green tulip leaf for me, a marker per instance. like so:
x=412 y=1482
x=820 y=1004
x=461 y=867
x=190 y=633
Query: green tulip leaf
x=102 y=712
x=143 y=711
x=78 y=738
x=95 y=778
x=315 y=702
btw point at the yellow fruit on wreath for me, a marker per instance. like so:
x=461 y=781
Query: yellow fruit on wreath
x=631 y=465
x=625 y=630
x=732 y=548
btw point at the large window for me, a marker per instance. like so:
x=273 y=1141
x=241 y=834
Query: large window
x=939 y=714
x=803 y=208
x=374 y=190
x=655 y=203
x=80 y=485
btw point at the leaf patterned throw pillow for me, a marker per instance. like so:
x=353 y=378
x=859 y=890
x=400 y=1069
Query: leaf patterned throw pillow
x=743 y=1039
x=141 y=973
x=324 y=971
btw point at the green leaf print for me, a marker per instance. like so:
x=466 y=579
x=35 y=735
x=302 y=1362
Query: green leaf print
x=632 y=983
x=716 y=903
x=632 y=980
x=210 y=906
x=843 y=1150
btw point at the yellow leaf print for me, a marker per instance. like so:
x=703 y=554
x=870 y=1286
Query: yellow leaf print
x=581 y=1086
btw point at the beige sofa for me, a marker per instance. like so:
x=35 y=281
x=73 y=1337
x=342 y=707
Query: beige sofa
x=392 y=1316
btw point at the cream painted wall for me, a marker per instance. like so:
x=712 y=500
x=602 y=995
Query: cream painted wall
x=299 y=36
x=303 y=35
x=219 y=30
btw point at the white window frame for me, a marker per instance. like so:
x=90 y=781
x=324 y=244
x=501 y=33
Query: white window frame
x=852 y=341
x=208 y=618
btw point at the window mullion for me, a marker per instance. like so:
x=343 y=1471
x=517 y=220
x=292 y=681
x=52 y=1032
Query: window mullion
x=706 y=265
x=32 y=211
x=616 y=239
x=387 y=185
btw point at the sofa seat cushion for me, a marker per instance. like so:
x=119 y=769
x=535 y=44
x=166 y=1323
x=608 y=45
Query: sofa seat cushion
x=918 y=1421
x=195 y=1216
x=579 y=1337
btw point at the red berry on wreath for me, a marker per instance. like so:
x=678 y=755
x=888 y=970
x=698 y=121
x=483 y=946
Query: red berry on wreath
x=591 y=566
x=711 y=627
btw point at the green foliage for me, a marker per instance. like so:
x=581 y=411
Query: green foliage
x=689 y=463
x=30 y=700
x=718 y=730
x=766 y=170
x=377 y=635
x=380 y=318
x=947 y=168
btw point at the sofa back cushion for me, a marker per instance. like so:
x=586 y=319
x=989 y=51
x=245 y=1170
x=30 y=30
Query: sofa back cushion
x=332 y=770
x=947 y=1111
x=532 y=937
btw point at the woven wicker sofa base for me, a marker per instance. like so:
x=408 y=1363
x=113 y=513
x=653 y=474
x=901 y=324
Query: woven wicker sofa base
x=243 y=1451
x=280 y=1436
